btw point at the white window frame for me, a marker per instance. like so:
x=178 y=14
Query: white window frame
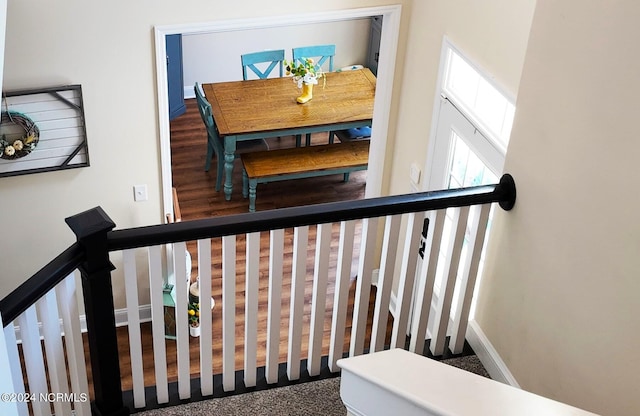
x=432 y=162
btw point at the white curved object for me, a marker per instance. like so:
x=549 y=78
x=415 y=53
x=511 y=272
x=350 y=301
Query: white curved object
x=398 y=382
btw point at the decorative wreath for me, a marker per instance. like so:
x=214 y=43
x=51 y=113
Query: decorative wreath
x=17 y=148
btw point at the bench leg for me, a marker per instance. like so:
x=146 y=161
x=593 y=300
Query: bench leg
x=346 y=176
x=253 y=184
x=308 y=140
x=298 y=140
x=245 y=184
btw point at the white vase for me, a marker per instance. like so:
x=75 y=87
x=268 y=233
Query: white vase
x=194 y=331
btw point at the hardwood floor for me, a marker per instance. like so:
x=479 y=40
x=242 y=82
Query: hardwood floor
x=198 y=199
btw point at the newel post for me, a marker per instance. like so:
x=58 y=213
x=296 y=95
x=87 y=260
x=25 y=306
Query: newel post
x=91 y=228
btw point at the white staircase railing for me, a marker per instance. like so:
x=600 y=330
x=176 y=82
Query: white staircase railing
x=56 y=378
x=316 y=323
x=314 y=255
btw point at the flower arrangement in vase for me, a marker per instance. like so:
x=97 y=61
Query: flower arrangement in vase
x=305 y=74
x=194 y=319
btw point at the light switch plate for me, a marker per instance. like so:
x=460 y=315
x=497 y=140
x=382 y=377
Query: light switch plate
x=140 y=193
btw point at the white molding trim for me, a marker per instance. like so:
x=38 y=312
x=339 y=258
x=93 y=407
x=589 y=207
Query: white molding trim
x=488 y=355
x=384 y=86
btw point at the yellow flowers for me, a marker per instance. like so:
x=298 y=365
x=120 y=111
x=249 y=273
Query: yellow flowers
x=303 y=70
x=194 y=313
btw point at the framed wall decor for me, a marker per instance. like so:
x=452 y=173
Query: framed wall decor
x=42 y=130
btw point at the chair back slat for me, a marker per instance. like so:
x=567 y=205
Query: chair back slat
x=207 y=116
x=322 y=52
x=273 y=57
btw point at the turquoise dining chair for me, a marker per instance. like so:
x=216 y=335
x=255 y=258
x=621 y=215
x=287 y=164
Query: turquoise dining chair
x=249 y=60
x=214 y=142
x=320 y=54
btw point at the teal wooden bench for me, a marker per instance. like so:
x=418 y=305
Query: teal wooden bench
x=301 y=162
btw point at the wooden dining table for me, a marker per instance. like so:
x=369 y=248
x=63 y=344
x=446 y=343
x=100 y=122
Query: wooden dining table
x=246 y=110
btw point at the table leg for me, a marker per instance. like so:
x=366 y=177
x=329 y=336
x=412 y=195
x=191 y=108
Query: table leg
x=229 y=157
x=253 y=184
x=245 y=184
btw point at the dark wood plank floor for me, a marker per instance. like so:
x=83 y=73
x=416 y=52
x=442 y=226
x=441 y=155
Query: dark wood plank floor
x=198 y=199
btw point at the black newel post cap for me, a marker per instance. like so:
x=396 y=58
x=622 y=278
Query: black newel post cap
x=91 y=228
x=89 y=223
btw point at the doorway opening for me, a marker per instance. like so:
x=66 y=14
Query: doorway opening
x=388 y=43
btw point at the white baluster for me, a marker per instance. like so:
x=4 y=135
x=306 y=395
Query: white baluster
x=47 y=308
x=407 y=278
x=67 y=299
x=275 y=304
x=12 y=381
x=468 y=280
x=363 y=285
x=298 y=275
x=182 y=321
x=204 y=285
x=319 y=300
x=443 y=308
x=157 y=322
x=385 y=281
x=228 y=312
x=33 y=361
x=426 y=280
x=133 y=318
x=252 y=281
x=341 y=295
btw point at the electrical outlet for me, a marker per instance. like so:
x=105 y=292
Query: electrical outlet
x=140 y=193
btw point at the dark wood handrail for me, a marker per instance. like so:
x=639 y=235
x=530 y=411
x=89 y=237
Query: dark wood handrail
x=40 y=283
x=503 y=193
x=50 y=275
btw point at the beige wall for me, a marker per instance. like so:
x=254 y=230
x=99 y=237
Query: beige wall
x=491 y=33
x=108 y=48
x=560 y=300
x=215 y=57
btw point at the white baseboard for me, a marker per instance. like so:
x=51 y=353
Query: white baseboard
x=488 y=355
x=188 y=92
x=120 y=318
x=374 y=277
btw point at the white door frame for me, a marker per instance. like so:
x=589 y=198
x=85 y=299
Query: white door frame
x=433 y=158
x=384 y=86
